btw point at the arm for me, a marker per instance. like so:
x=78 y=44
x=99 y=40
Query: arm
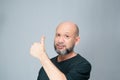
x=38 y=51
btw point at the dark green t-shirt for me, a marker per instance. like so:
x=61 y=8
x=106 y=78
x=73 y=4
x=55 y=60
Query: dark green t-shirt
x=76 y=68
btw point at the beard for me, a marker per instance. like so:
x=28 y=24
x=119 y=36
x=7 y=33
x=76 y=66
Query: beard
x=63 y=52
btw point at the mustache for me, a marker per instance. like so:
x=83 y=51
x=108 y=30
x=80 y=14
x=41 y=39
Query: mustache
x=60 y=44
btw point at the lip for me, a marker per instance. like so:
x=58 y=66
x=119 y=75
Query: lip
x=59 y=46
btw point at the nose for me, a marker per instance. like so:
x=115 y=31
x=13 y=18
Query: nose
x=61 y=39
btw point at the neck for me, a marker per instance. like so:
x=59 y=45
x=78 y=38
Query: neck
x=65 y=57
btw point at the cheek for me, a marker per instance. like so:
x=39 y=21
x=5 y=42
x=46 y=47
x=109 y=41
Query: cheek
x=70 y=43
x=55 y=41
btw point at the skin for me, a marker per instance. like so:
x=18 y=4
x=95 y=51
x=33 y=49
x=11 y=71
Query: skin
x=65 y=38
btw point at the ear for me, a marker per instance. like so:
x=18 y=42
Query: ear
x=77 y=40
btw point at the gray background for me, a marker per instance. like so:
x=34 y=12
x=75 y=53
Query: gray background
x=22 y=22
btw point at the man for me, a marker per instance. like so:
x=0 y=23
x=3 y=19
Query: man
x=68 y=65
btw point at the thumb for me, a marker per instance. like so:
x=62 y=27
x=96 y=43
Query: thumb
x=42 y=41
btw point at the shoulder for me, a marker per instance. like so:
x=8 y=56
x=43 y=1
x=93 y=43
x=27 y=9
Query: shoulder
x=83 y=64
x=79 y=68
x=83 y=60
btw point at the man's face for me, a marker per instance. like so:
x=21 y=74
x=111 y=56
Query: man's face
x=65 y=39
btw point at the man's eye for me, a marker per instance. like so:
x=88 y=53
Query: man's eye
x=57 y=35
x=66 y=36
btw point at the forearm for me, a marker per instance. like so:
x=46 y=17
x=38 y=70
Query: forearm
x=52 y=71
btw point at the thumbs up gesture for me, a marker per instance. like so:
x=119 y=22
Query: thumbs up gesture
x=38 y=48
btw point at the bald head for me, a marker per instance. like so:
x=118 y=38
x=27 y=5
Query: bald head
x=69 y=26
x=67 y=36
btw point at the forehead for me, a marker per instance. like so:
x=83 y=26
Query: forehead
x=66 y=28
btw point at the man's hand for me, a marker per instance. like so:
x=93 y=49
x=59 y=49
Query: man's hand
x=38 y=51
x=38 y=48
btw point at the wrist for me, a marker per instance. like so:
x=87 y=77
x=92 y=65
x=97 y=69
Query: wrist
x=43 y=57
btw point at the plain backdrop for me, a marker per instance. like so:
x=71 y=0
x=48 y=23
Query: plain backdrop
x=23 y=22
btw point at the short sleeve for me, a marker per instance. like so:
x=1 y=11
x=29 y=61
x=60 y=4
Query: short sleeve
x=79 y=72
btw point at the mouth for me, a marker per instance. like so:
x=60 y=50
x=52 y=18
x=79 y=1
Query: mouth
x=60 y=47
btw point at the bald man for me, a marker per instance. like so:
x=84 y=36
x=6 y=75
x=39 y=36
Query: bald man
x=67 y=65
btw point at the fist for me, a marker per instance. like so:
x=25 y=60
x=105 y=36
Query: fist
x=37 y=49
